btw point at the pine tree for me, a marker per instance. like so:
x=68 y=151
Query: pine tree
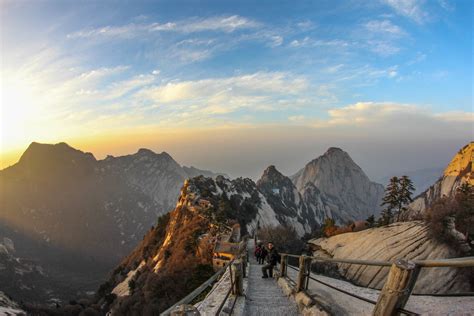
x=390 y=201
x=406 y=189
x=370 y=221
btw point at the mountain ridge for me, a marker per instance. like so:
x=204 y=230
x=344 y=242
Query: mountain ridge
x=71 y=202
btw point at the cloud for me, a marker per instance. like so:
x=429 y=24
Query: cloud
x=309 y=42
x=103 y=72
x=297 y=118
x=250 y=91
x=364 y=75
x=334 y=69
x=227 y=24
x=412 y=9
x=391 y=115
x=383 y=48
x=385 y=27
x=447 y=5
x=419 y=57
x=364 y=112
x=456 y=116
x=276 y=40
x=305 y=25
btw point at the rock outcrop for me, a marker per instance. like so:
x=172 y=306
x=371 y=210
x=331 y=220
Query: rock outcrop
x=336 y=186
x=458 y=171
x=9 y=307
x=408 y=240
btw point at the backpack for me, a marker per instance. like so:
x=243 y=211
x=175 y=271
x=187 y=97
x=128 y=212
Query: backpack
x=258 y=251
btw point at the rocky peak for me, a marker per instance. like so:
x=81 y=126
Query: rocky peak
x=458 y=171
x=335 y=151
x=341 y=180
x=38 y=151
x=461 y=164
x=271 y=174
x=148 y=153
x=41 y=160
x=145 y=152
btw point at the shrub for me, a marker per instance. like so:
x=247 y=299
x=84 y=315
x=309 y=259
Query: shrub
x=284 y=238
x=461 y=207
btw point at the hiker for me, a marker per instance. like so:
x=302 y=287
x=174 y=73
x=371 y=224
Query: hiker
x=263 y=254
x=258 y=252
x=272 y=259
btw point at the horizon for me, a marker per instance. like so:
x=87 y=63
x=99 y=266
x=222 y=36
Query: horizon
x=233 y=87
x=255 y=176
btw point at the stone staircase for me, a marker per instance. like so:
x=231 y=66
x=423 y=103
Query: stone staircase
x=264 y=296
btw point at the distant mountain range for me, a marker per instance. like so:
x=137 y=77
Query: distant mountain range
x=175 y=251
x=75 y=217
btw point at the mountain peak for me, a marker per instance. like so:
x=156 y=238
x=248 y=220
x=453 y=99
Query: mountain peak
x=334 y=150
x=336 y=175
x=145 y=152
x=272 y=173
x=271 y=169
x=44 y=151
x=272 y=177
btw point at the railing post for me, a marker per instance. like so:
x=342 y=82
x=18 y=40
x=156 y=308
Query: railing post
x=244 y=265
x=397 y=289
x=283 y=266
x=236 y=273
x=302 y=274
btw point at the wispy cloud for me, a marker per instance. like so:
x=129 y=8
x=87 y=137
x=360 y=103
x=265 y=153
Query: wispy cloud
x=412 y=9
x=103 y=72
x=382 y=48
x=226 y=24
x=388 y=114
x=256 y=92
x=310 y=42
x=385 y=27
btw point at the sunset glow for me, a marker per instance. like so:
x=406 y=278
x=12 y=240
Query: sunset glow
x=184 y=73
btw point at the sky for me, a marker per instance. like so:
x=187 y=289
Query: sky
x=234 y=86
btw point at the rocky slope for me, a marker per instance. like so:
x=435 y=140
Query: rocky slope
x=335 y=185
x=175 y=256
x=9 y=307
x=409 y=240
x=77 y=216
x=458 y=171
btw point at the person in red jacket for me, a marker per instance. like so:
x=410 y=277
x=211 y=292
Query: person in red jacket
x=258 y=253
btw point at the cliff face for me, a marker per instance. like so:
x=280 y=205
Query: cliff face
x=339 y=184
x=458 y=171
x=408 y=240
x=175 y=256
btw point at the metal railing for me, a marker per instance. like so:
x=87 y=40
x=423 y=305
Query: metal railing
x=401 y=279
x=241 y=257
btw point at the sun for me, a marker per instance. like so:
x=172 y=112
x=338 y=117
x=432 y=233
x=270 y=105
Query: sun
x=18 y=111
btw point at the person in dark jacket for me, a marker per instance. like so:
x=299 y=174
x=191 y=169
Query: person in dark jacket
x=272 y=259
x=263 y=254
x=258 y=252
